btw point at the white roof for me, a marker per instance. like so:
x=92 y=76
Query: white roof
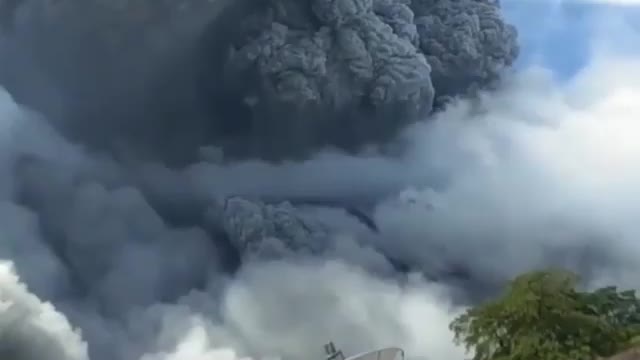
x=390 y=353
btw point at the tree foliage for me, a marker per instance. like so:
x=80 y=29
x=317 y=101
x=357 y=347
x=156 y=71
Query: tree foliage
x=542 y=315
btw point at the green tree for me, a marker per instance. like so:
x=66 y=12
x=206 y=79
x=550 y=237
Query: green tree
x=542 y=315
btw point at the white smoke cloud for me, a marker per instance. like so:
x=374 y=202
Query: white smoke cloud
x=554 y=169
x=32 y=329
x=265 y=317
x=537 y=173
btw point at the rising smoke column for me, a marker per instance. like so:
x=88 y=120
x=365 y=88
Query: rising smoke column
x=240 y=75
x=144 y=259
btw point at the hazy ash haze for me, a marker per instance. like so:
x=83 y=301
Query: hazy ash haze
x=380 y=185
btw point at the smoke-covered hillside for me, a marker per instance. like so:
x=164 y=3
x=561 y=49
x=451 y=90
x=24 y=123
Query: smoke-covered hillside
x=249 y=179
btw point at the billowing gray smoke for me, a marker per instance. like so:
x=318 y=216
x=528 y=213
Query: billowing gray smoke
x=109 y=251
x=268 y=79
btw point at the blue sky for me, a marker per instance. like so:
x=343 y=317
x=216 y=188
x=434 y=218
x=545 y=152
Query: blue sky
x=557 y=34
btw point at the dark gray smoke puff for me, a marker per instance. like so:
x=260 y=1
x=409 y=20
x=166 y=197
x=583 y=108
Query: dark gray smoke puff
x=335 y=79
x=348 y=73
x=261 y=230
x=269 y=79
x=467 y=43
x=115 y=220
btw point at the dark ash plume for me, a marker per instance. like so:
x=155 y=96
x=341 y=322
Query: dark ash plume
x=268 y=79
